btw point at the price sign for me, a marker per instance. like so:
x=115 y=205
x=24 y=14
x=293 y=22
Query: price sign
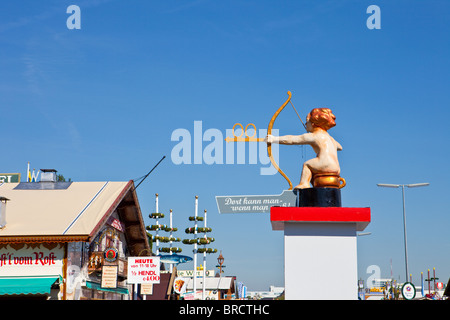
x=143 y=269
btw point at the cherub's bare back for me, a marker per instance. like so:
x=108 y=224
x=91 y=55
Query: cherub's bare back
x=326 y=149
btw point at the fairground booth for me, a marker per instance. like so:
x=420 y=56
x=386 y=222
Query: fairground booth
x=69 y=240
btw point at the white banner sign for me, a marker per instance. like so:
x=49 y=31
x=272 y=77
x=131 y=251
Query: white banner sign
x=190 y=273
x=143 y=270
x=31 y=261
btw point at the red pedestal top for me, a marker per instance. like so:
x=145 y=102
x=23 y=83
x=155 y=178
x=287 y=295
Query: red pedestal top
x=280 y=215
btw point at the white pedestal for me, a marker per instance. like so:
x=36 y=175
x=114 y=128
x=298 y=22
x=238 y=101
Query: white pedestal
x=323 y=263
x=320 y=253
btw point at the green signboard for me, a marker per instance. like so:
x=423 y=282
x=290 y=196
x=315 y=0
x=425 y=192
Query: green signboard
x=9 y=177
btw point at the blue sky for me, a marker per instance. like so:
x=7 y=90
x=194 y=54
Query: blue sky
x=101 y=103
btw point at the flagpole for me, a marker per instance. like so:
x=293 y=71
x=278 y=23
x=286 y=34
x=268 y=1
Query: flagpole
x=421 y=280
x=204 y=264
x=434 y=279
x=170 y=239
x=195 y=246
x=157 y=224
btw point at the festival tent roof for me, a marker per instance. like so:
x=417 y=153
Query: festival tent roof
x=70 y=211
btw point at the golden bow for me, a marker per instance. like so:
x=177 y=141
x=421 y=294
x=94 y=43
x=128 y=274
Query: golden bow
x=269 y=145
x=247 y=138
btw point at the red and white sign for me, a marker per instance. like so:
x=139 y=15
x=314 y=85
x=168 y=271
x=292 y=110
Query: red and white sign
x=209 y=295
x=440 y=285
x=115 y=223
x=143 y=270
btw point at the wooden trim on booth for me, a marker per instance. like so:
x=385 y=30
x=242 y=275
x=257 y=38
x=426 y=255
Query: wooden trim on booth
x=34 y=239
x=66 y=250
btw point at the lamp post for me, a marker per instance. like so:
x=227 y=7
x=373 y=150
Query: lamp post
x=404 y=213
x=220 y=260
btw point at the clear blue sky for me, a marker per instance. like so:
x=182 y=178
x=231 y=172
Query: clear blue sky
x=102 y=102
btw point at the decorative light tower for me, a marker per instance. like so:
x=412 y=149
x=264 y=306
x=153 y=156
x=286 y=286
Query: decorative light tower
x=162 y=227
x=156 y=227
x=205 y=240
x=194 y=218
x=170 y=240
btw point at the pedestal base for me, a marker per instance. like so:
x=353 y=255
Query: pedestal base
x=319 y=197
x=320 y=254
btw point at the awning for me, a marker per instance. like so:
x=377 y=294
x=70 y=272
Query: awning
x=26 y=285
x=97 y=286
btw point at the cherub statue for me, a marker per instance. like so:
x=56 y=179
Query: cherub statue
x=324 y=170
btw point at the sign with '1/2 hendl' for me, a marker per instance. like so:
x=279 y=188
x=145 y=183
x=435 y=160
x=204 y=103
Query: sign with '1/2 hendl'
x=143 y=270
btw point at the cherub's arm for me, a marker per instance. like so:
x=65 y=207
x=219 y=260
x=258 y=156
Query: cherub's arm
x=306 y=138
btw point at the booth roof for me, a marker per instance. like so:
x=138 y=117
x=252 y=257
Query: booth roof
x=72 y=211
x=212 y=283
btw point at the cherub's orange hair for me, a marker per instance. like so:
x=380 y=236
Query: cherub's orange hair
x=322 y=118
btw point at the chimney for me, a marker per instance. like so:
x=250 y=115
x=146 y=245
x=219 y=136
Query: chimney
x=48 y=175
x=3 y=212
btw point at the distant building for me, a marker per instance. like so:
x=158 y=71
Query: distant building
x=216 y=288
x=274 y=292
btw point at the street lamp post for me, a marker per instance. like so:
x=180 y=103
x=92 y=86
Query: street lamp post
x=404 y=213
x=220 y=260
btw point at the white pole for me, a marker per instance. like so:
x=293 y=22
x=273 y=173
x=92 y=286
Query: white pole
x=195 y=246
x=157 y=225
x=404 y=232
x=204 y=264
x=404 y=214
x=170 y=242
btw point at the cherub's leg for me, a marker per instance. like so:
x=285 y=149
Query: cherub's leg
x=305 y=177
